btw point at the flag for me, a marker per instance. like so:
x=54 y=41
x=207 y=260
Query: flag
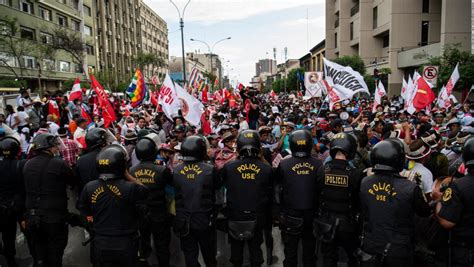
x=204 y=96
x=311 y=83
x=85 y=115
x=76 y=92
x=53 y=109
x=379 y=93
x=153 y=99
x=443 y=98
x=424 y=95
x=411 y=91
x=108 y=112
x=191 y=108
x=452 y=80
x=137 y=90
x=205 y=124
x=404 y=90
x=216 y=82
x=273 y=94
x=168 y=98
x=344 y=78
x=232 y=102
x=337 y=94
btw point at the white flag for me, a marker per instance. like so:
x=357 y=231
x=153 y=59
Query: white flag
x=191 y=108
x=168 y=99
x=413 y=87
x=344 y=78
x=443 y=98
x=453 y=80
x=379 y=93
x=404 y=90
x=312 y=83
x=336 y=94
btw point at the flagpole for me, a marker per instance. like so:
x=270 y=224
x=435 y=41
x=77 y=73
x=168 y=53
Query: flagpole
x=181 y=26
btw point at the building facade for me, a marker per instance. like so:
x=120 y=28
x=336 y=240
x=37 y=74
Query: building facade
x=266 y=66
x=396 y=34
x=318 y=52
x=38 y=21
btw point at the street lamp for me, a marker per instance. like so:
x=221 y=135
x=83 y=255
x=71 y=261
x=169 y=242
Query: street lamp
x=210 y=50
x=181 y=25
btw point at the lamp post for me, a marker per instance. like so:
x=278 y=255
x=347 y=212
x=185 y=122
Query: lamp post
x=181 y=26
x=210 y=52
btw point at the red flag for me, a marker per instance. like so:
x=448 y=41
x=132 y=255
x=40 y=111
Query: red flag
x=76 y=92
x=204 y=97
x=273 y=94
x=53 y=109
x=108 y=112
x=232 y=102
x=85 y=115
x=216 y=82
x=300 y=94
x=153 y=99
x=205 y=124
x=424 y=95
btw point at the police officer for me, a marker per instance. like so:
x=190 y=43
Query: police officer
x=11 y=195
x=195 y=183
x=95 y=140
x=388 y=205
x=456 y=211
x=339 y=202
x=156 y=219
x=247 y=180
x=297 y=176
x=46 y=177
x=111 y=201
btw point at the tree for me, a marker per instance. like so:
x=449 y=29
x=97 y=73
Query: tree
x=354 y=61
x=15 y=49
x=292 y=81
x=71 y=42
x=278 y=85
x=447 y=61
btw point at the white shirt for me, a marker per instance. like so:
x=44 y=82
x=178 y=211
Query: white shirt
x=243 y=125
x=23 y=102
x=426 y=177
x=78 y=134
x=23 y=116
x=11 y=121
x=53 y=127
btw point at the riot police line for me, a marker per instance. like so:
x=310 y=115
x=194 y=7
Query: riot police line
x=323 y=206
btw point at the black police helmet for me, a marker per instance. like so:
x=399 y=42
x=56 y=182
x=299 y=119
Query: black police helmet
x=96 y=137
x=142 y=133
x=388 y=155
x=9 y=147
x=468 y=152
x=301 y=143
x=193 y=148
x=111 y=162
x=146 y=149
x=44 y=141
x=345 y=143
x=248 y=143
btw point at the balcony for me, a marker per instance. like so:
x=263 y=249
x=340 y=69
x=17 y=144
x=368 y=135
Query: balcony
x=355 y=9
x=336 y=23
x=417 y=56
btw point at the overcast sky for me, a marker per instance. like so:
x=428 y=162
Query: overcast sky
x=256 y=26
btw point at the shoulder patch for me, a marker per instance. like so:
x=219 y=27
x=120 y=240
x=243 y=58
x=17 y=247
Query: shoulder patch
x=447 y=194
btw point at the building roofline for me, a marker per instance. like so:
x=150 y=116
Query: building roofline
x=318 y=46
x=308 y=55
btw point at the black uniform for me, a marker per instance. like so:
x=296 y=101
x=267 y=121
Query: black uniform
x=85 y=167
x=248 y=184
x=388 y=205
x=12 y=193
x=112 y=204
x=157 y=219
x=339 y=208
x=298 y=179
x=46 y=178
x=457 y=206
x=195 y=183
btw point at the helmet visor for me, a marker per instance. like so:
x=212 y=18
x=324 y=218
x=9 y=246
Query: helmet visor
x=109 y=137
x=58 y=143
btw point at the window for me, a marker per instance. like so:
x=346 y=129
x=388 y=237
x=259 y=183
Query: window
x=352 y=30
x=64 y=66
x=90 y=49
x=374 y=17
x=87 y=30
x=425 y=25
x=29 y=62
x=7 y=60
x=335 y=40
x=426 y=6
x=26 y=7
x=76 y=25
x=386 y=41
x=87 y=11
x=46 y=38
x=45 y=13
x=48 y=65
x=62 y=20
x=27 y=33
x=5 y=2
x=77 y=68
x=75 y=4
x=62 y=1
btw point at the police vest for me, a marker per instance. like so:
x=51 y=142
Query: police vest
x=463 y=232
x=387 y=206
x=337 y=189
x=152 y=176
x=299 y=182
x=194 y=187
x=9 y=180
x=247 y=182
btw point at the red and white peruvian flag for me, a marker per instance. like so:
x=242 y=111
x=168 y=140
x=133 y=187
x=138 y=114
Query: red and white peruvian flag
x=379 y=93
x=453 y=80
x=76 y=92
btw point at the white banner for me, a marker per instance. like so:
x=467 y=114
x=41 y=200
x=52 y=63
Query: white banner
x=453 y=80
x=379 y=93
x=168 y=99
x=191 y=108
x=344 y=78
x=312 y=82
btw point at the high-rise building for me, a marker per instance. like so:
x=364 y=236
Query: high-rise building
x=154 y=40
x=38 y=21
x=396 y=34
x=265 y=66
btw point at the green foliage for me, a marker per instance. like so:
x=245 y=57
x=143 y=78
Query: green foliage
x=146 y=59
x=9 y=83
x=67 y=85
x=385 y=71
x=278 y=85
x=354 y=61
x=71 y=42
x=121 y=87
x=370 y=81
x=292 y=83
x=447 y=62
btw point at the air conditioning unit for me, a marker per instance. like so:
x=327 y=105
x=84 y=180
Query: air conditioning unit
x=113 y=65
x=126 y=40
x=109 y=33
x=118 y=20
x=109 y=16
x=139 y=45
x=118 y=36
